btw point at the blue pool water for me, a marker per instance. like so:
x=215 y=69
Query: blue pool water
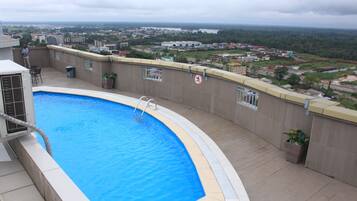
x=110 y=155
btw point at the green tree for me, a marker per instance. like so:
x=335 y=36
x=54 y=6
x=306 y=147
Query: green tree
x=294 y=80
x=253 y=69
x=328 y=92
x=280 y=73
x=181 y=59
x=142 y=55
x=105 y=53
x=25 y=39
x=311 y=80
x=80 y=47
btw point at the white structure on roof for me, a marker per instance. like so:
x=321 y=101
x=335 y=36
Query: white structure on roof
x=181 y=44
x=6 y=44
x=16 y=99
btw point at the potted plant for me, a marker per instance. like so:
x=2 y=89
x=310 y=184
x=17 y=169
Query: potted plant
x=108 y=81
x=296 y=145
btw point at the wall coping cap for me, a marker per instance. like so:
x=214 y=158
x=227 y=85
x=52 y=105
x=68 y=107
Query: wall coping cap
x=341 y=113
x=319 y=106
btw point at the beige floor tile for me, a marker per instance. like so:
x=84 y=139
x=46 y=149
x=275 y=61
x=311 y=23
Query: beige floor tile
x=335 y=191
x=29 y=193
x=14 y=181
x=10 y=167
x=293 y=183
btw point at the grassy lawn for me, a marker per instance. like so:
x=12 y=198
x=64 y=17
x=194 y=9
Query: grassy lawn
x=313 y=61
x=207 y=54
x=348 y=103
x=277 y=82
x=311 y=57
x=274 y=62
x=332 y=63
x=328 y=76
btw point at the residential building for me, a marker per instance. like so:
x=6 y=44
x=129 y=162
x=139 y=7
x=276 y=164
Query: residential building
x=75 y=39
x=40 y=37
x=123 y=44
x=98 y=43
x=181 y=44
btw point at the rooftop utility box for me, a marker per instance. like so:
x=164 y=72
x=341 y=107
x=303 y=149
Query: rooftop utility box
x=16 y=98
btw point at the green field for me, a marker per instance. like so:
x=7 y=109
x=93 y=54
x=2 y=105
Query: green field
x=274 y=62
x=348 y=103
x=310 y=57
x=328 y=76
x=309 y=61
x=206 y=54
x=330 y=63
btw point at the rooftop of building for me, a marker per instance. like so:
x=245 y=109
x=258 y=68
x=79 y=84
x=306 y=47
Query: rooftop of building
x=265 y=173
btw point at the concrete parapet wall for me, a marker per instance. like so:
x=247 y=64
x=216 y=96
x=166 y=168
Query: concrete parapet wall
x=217 y=96
x=278 y=109
x=38 y=57
x=333 y=149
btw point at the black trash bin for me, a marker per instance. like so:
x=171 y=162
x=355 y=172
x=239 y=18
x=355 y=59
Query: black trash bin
x=71 y=71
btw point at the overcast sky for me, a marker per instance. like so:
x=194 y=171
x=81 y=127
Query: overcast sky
x=315 y=13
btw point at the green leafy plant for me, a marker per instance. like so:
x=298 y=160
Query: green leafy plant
x=296 y=136
x=110 y=75
x=280 y=73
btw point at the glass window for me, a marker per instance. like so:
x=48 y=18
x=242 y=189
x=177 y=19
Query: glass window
x=58 y=56
x=247 y=97
x=88 y=65
x=154 y=74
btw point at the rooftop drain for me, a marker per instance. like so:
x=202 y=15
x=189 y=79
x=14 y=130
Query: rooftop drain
x=307 y=103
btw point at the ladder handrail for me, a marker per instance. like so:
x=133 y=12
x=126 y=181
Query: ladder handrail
x=139 y=101
x=32 y=127
x=148 y=104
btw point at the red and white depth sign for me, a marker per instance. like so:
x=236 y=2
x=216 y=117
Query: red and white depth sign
x=198 y=79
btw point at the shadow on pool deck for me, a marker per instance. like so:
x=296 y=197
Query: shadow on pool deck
x=261 y=166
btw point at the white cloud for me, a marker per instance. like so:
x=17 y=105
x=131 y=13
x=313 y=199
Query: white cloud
x=324 y=13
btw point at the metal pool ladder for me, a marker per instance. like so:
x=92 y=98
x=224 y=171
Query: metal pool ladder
x=140 y=100
x=147 y=104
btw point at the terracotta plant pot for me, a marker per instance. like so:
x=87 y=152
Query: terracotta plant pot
x=295 y=153
x=108 y=83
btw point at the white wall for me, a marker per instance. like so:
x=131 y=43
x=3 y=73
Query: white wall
x=6 y=53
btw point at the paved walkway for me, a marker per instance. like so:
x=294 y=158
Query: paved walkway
x=15 y=184
x=261 y=166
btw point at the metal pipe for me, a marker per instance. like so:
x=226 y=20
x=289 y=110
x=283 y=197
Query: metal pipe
x=307 y=104
x=205 y=73
x=32 y=127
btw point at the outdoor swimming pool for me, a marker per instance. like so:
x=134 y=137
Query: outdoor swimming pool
x=112 y=156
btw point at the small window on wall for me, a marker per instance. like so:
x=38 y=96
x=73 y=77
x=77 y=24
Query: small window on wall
x=88 y=65
x=154 y=74
x=247 y=97
x=57 y=56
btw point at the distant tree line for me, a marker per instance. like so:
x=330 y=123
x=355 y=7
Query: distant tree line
x=323 y=42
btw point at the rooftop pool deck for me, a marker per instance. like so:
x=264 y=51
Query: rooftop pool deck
x=218 y=177
x=265 y=173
